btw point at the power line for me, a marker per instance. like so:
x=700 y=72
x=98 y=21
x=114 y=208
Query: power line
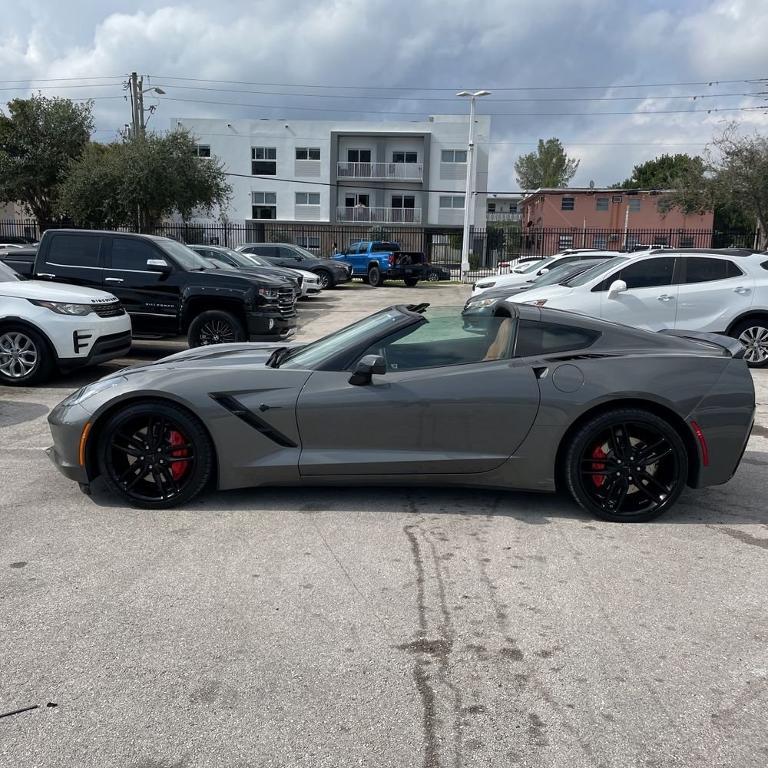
x=62 y=79
x=57 y=87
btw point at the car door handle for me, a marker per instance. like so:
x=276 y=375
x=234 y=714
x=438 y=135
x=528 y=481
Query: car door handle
x=742 y=290
x=46 y=274
x=665 y=297
x=113 y=279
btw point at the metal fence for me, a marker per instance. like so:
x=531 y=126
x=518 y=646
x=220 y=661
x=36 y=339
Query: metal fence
x=488 y=246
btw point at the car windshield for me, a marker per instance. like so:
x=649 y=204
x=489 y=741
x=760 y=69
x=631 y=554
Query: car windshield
x=558 y=274
x=304 y=252
x=313 y=354
x=259 y=261
x=185 y=257
x=598 y=269
x=535 y=265
x=240 y=259
x=7 y=275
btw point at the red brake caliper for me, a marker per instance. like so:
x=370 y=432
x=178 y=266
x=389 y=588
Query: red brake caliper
x=178 y=468
x=598 y=453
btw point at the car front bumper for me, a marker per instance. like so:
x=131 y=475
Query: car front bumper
x=270 y=325
x=67 y=423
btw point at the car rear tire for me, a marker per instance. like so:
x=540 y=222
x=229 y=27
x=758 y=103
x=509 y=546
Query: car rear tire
x=626 y=465
x=155 y=455
x=215 y=327
x=410 y=282
x=375 y=278
x=753 y=334
x=25 y=357
x=433 y=277
x=325 y=278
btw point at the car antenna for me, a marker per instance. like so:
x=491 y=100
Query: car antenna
x=417 y=307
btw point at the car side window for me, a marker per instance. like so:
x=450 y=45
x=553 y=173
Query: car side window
x=534 y=338
x=701 y=269
x=445 y=341
x=128 y=253
x=649 y=273
x=74 y=250
x=268 y=251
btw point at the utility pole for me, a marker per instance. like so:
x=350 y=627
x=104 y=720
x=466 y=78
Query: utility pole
x=133 y=86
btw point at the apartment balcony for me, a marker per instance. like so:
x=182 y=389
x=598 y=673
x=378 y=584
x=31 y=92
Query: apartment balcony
x=381 y=171
x=363 y=214
x=491 y=217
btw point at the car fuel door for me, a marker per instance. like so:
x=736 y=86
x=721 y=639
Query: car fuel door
x=456 y=419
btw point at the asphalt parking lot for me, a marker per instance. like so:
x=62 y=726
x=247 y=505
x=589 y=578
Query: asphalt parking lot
x=374 y=627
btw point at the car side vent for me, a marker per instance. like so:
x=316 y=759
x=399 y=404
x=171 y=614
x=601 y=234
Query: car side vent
x=236 y=408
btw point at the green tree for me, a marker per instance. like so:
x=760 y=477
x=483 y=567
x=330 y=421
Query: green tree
x=548 y=166
x=39 y=138
x=735 y=178
x=664 y=172
x=140 y=181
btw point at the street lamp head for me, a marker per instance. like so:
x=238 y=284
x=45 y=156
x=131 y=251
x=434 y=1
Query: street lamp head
x=463 y=93
x=161 y=92
x=481 y=93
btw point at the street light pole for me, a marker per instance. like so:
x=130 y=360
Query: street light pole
x=469 y=188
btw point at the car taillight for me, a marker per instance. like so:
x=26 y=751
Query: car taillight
x=702 y=442
x=392 y=259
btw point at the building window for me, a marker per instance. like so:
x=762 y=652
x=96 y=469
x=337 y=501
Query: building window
x=352 y=201
x=311 y=242
x=358 y=155
x=453 y=156
x=451 y=201
x=202 y=150
x=307 y=153
x=263 y=161
x=307 y=198
x=263 y=205
x=567 y=203
x=564 y=242
x=403 y=201
x=600 y=242
x=491 y=207
x=634 y=204
x=616 y=198
x=405 y=157
x=601 y=204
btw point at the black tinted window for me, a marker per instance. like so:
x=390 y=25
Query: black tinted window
x=269 y=251
x=74 y=250
x=648 y=273
x=383 y=247
x=699 y=269
x=547 y=338
x=287 y=253
x=128 y=253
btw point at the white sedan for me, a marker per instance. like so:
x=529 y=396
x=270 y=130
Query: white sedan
x=310 y=283
x=45 y=326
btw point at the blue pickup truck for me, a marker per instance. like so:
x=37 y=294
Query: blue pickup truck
x=374 y=261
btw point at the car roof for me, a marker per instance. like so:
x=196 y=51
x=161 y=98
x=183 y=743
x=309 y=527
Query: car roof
x=740 y=252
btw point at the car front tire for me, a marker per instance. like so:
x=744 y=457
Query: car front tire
x=215 y=327
x=753 y=334
x=155 y=455
x=626 y=465
x=325 y=278
x=25 y=357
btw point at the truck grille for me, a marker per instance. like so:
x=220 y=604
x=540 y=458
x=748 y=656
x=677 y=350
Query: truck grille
x=286 y=302
x=109 y=309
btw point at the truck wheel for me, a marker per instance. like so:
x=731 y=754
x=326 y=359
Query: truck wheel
x=410 y=282
x=24 y=357
x=325 y=278
x=215 y=327
x=375 y=277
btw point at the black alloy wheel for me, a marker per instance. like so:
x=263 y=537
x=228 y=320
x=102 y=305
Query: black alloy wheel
x=325 y=278
x=374 y=277
x=155 y=455
x=627 y=466
x=215 y=327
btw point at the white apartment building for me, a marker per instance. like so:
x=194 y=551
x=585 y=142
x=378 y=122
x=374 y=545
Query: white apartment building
x=409 y=173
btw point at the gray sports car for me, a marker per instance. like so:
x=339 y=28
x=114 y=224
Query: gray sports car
x=532 y=399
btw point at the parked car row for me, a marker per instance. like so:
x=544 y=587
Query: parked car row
x=722 y=291
x=112 y=286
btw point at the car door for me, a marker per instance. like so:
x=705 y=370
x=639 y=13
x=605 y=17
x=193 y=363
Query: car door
x=713 y=291
x=151 y=298
x=441 y=407
x=650 y=300
x=76 y=258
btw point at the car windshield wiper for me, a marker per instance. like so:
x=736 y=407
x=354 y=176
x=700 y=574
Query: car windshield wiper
x=274 y=360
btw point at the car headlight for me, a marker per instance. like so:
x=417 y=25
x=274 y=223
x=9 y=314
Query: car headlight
x=81 y=310
x=536 y=302
x=483 y=286
x=268 y=293
x=481 y=303
x=81 y=395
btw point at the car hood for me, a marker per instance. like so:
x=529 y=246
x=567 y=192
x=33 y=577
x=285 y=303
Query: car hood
x=245 y=353
x=555 y=293
x=43 y=290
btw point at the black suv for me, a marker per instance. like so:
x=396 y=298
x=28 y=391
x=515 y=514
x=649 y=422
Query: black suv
x=167 y=288
x=330 y=273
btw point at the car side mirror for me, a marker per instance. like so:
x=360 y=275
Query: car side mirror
x=365 y=368
x=158 y=265
x=616 y=287
x=544 y=271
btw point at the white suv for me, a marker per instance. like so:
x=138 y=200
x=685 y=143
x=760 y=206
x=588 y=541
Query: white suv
x=49 y=325
x=719 y=291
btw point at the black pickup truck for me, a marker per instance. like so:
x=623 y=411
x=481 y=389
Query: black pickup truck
x=166 y=288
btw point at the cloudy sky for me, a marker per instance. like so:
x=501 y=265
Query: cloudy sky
x=556 y=67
